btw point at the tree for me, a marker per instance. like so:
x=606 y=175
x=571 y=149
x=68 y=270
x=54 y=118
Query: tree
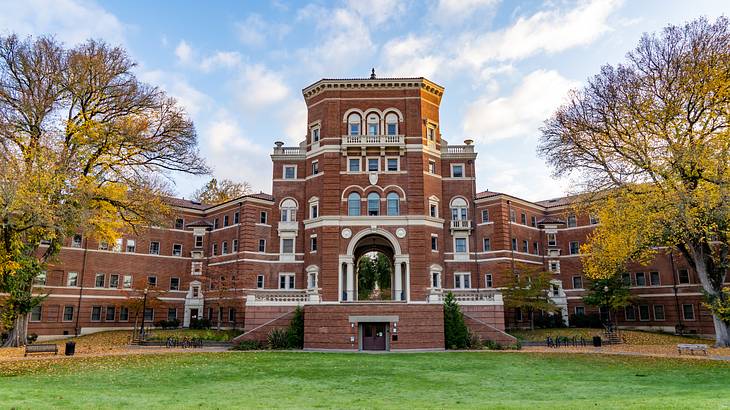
x=456 y=334
x=372 y=269
x=84 y=148
x=651 y=137
x=216 y=192
x=611 y=293
x=136 y=302
x=530 y=291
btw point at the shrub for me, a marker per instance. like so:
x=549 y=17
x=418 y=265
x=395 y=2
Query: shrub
x=475 y=342
x=456 y=333
x=168 y=324
x=278 y=339
x=593 y=321
x=200 y=324
x=549 y=321
x=492 y=345
x=250 y=345
x=31 y=338
x=295 y=332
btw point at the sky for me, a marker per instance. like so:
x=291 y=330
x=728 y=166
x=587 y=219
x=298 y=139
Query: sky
x=238 y=67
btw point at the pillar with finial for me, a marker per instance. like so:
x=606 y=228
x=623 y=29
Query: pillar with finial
x=372 y=74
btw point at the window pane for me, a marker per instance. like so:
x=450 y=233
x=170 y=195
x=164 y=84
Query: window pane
x=373 y=204
x=373 y=164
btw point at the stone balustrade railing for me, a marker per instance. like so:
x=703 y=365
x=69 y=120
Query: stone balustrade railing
x=282 y=297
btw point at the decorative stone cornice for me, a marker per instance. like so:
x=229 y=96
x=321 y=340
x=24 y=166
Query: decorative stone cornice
x=360 y=84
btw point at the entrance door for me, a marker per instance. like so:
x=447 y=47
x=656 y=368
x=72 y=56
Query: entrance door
x=193 y=313
x=373 y=336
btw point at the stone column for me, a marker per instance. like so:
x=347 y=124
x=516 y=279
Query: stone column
x=350 y=281
x=398 y=285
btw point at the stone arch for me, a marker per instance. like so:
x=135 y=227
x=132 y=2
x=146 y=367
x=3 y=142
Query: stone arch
x=350 y=111
x=376 y=231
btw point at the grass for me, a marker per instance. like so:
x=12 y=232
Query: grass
x=632 y=337
x=335 y=380
x=205 y=334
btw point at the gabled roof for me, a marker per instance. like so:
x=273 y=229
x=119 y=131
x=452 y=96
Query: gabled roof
x=551 y=220
x=186 y=203
x=200 y=222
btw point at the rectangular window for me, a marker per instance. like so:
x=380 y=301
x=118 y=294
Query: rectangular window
x=485 y=215
x=72 y=279
x=287 y=246
x=225 y=220
x=572 y=221
x=262 y=245
x=373 y=164
x=535 y=248
x=99 y=280
x=127 y=284
x=96 y=313
x=460 y=245
x=552 y=239
x=626 y=277
x=149 y=314
x=392 y=164
x=688 y=312
x=518 y=315
x=196 y=291
x=514 y=244
x=103 y=246
x=457 y=171
x=313 y=244
x=131 y=246
x=111 y=313
x=171 y=313
x=644 y=312
x=315 y=134
x=290 y=172
x=640 y=279
x=236 y=217
x=353 y=164
x=574 y=247
x=224 y=248
x=179 y=223
x=434 y=242
x=577 y=282
x=580 y=310
x=177 y=249
x=36 y=314
x=214 y=249
x=683 y=276
x=123 y=314
x=76 y=241
x=462 y=280
x=523 y=218
x=231 y=314
x=174 y=283
x=512 y=215
x=286 y=281
x=315 y=167
x=313 y=211
x=118 y=245
x=525 y=246
x=198 y=241
x=263 y=217
x=234 y=245
x=486 y=244
x=488 y=280
x=152 y=281
x=533 y=222
x=554 y=266
x=114 y=281
x=432 y=167
x=260 y=281
x=68 y=313
x=154 y=248
x=215 y=223
x=658 y=312
x=433 y=211
x=431 y=134
x=654 y=278
x=630 y=313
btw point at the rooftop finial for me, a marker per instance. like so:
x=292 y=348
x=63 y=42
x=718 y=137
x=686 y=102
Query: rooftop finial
x=372 y=74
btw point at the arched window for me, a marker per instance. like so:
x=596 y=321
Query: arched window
x=393 y=204
x=391 y=124
x=354 y=123
x=353 y=204
x=288 y=210
x=373 y=204
x=373 y=124
x=458 y=209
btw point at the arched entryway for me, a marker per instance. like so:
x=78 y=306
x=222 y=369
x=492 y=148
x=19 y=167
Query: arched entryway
x=379 y=250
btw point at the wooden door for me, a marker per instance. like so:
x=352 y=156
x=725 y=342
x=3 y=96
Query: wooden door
x=373 y=336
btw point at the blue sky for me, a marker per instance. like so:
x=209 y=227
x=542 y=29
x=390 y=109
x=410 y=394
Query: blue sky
x=239 y=67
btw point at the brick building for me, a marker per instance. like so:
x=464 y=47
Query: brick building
x=373 y=175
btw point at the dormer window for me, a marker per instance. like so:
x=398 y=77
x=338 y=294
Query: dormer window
x=391 y=124
x=373 y=124
x=353 y=124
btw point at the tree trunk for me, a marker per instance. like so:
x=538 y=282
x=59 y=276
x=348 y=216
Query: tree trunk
x=722 y=331
x=18 y=336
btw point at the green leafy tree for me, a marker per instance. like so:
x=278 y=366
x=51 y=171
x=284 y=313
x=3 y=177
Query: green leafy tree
x=295 y=333
x=85 y=147
x=652 y=137
x=373 y=269
x=612 y=293
x=218 y=191
x=456 y=334
x=530 y=291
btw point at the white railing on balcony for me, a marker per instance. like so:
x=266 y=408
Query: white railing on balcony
x=460 y=149
x=461 y=224
x=282 y=297
x=468 y=296
x=373 y=140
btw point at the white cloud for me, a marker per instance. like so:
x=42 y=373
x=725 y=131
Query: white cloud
x=521 y=113
x=546 y=31
x=258 y=87
x=184 y=52
x=177 y=86
x=454 y=11
x=412 y=56
x=254 y=31
x=521 y=175
x=71 y=21
x=377 y=12
x=293 y=117
x=221 y=59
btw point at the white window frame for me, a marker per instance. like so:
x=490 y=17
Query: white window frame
x=434 y=170
x=75 y=279
x=260 y=281
x=197 y=268
x=314 y=209
x=313 y=241
x=367 y=163
x=315 y=167
x=466 y=245
x=234 y=246
x=694 y=315
x=259 y=246
x=554 y=266
x=397 y=164
x=293 y=246
x=459 y=282
x=352 y=160
x=664 y=312
x=315 y=130
x=96 y=277
x=131 y=246
x=127 y=282
x=485 y=242
x=180 y=253
x=159 y=247
x=488 y=280
x=289 y=282
x=283 y=169
x=463 y=170
x=572 y=281
x=74 y=243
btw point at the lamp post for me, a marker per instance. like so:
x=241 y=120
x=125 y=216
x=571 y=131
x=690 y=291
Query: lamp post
x=608 y=300
x=144 y=309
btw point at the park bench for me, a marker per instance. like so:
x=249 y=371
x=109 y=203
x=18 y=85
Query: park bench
x=692 y=348
x=41 y=348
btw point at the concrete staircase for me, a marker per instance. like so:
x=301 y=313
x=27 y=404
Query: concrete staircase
x=261 y=332
x=486 y=331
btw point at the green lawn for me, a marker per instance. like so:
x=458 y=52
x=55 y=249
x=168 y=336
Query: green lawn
x=632 y=337
x=309 y=380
